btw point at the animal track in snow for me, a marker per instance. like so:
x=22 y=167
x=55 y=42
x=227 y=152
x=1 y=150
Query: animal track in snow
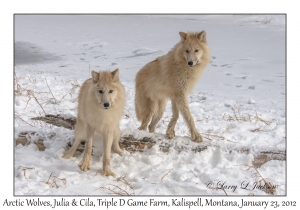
x=99 y=54
x=227 y=65
x=243 y=59
x=213 y=58
x=90 y=46
x=241 y=77
x=142 y=52
x=96 y=46
x=267 y=80
x=251 y=87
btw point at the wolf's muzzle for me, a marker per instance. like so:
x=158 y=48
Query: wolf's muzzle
x=190 y=63
x=106 y=105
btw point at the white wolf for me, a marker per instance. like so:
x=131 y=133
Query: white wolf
x=101 y=103
x=171 y=76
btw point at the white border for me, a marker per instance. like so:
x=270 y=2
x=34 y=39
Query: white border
x=8 y=8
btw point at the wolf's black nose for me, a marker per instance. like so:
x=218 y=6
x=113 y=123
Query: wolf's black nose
x=190 y=63
x=106 y=105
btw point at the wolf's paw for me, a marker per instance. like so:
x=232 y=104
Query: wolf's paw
x=170 y=134
x=143 y=128
x=197 y=137
x=108 y=172
x=84 y=165
x=151 y=129
x=119 y=151
x=67 y=155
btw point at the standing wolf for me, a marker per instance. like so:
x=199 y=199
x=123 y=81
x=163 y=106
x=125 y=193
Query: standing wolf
x=171 y=76
x=101 y=103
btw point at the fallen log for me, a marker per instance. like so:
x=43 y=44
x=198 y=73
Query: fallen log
x=58 y=121
x=132 y=144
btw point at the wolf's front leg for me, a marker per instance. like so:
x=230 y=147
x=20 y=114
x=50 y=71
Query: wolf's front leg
x=84 y=165
x=107 y=144
x=170 y=130
x=183 y=106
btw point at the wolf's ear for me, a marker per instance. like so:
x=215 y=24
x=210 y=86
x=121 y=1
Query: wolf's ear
x=95 y=76
x=115 y=75
x=183 y=36
x=202 y=36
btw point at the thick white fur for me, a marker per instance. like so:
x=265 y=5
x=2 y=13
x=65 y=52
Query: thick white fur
x=93 y=117
x=171 y=76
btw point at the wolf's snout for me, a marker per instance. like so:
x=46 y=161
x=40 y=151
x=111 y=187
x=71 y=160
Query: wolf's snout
x=190 y=63
x=106 y=105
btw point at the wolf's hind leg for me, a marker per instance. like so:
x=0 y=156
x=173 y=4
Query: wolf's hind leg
x=72 y=150
x=157 y=115
x=79 y=136
x=149 y=109
x=115 y=144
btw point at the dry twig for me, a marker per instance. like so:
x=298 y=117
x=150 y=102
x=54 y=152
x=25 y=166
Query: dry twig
x=116 y=190
x=165 y=175
x=52 y=181
x=30 y=93
x=24 y=170
x=50 y=91
x=16 y=115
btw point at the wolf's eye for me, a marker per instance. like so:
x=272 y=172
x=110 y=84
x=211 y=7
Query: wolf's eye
x=111 y=91
x=101 y=91
x=187 y=51
x=196 y=50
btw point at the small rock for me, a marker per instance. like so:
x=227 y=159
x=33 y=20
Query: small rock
x=252 y=87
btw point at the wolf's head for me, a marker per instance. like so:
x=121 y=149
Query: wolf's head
x=105 y=87
x=193 y=46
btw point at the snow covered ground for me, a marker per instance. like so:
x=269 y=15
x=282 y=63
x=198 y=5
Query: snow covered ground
x=238 y=104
